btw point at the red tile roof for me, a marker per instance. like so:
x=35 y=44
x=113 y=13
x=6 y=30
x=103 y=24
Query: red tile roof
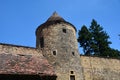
x=24 y=64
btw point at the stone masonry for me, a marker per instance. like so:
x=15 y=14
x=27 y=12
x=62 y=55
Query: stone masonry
x=96 y=68
x=55 y=57
x=60 y=47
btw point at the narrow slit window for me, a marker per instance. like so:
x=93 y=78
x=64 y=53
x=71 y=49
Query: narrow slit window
x=54 y=52
x=72 y=77
x=64 y=30
x=41 y=42
x=71 y=72
x=73 y=53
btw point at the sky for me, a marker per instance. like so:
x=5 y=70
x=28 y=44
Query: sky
x=20 y=18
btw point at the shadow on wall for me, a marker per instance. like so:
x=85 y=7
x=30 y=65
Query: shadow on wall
x=26 y=77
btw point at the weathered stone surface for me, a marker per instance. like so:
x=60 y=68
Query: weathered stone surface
x=61 y=38
x=56 y=55
x=96 y=68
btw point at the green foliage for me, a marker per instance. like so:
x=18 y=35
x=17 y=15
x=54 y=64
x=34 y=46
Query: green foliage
x=94 y=41
x=100 y=42
x=113 y=53
x=84 y=39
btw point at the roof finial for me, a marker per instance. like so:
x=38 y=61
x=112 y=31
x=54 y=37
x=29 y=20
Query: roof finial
x=55 y=14
x=55 y=17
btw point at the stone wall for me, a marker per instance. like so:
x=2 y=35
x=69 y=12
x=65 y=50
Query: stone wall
x=61 y=50
x=95 y=68
x=16 y=49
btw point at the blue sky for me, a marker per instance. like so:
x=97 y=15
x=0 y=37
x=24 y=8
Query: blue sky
x=20 y=18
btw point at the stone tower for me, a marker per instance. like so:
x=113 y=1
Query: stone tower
x=57 y=40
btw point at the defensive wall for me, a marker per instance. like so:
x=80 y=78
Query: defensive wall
x=25 y=60
x=96 y=68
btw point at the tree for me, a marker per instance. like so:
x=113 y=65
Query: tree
x=99 y=43
x=94 y=41
x=114 y=53
x=84 y=40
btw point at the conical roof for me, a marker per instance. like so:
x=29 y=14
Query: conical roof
x=55 y=17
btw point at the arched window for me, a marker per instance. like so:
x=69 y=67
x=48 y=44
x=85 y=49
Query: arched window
x=41 y=42
x=54 y=52
x=73 y=53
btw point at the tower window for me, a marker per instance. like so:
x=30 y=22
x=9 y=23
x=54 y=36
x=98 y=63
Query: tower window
x=71 y=72
x=64 y=30
x=72 y=77
x=54 y=52
x=73 y=53
x=41 y=42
